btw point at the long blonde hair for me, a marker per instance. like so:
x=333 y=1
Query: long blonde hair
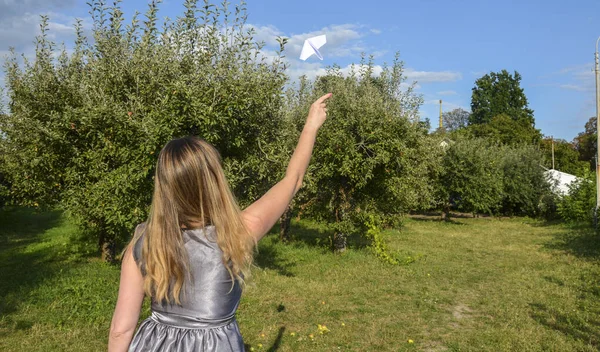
x=190 y=190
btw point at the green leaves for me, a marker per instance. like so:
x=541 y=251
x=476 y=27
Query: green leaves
x=370 y=155
x=579 y=204
x=481 y=177
x=94 y=121
x=499 y=93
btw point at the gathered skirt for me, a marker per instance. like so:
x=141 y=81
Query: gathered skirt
x=166 y=332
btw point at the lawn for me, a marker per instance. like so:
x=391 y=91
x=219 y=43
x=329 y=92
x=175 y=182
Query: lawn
x=471 y=285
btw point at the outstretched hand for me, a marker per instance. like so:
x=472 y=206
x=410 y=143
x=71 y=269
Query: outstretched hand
x=261 y=215
x=318 y=112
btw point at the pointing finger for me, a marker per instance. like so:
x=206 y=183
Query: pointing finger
x=325 y=97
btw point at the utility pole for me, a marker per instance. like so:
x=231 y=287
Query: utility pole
x=553 y=153
x=441 y=121
x=598 y=134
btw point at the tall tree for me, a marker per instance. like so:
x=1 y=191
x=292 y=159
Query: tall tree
x=372 y=157
x=455 y=119
x=499 y=93
x=472 y=177
x=586 y=142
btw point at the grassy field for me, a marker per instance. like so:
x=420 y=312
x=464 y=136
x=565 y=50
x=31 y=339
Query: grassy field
x=475 y=285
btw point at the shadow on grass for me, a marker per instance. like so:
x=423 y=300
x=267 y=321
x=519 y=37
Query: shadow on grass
x=277 y=341
x=570 y=324
x=318 y=235
x=268 y=257
x=276 y=344
x=23 y=268
x=438 y=214
x=450 y=221
x=579 y=240
x=21 y=226
x=541 y=222
x=301 y=235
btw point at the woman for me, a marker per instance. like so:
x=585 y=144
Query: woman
x=191 y=255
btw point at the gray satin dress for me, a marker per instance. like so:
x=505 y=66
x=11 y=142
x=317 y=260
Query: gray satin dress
x=206 y=319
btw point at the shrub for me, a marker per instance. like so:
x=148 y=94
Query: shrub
x=579 y=204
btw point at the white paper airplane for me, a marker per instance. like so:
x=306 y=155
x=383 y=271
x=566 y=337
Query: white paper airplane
x=311 y=46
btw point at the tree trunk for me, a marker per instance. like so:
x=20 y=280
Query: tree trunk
x=284 y=227
x=446 y=212
x=339 y=242
x=107 y=248
x=340 y=238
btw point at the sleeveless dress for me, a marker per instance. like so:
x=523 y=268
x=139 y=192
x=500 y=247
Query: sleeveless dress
x=206 y=319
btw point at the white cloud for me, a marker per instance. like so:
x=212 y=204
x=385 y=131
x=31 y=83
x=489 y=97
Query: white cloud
x=313 y=69
x=17 y=8
x=309 y=69
x=479 y=73
x=343 y=40
x=432 y=76
x=446 y=105
x=59 y=30
x=576 y=87
x=379 y=53
x=20 y=31
x=266 y=34
x=20 y=24
x=575 y=68
x=578 y=77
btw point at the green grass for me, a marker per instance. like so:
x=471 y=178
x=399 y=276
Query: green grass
x=476 y=285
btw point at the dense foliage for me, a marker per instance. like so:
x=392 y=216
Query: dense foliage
x=499 y=93
x=371 y=157
x=85 y=129
x=586 y=142
x=483 y=177
x=579 y=204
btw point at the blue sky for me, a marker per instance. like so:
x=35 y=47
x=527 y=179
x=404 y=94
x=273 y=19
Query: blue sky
x=446 y=45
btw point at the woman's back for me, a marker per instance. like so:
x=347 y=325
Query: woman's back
x=205 y=320
x=190 y=188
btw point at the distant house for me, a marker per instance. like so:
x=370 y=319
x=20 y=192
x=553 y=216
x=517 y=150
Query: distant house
x=560 y=181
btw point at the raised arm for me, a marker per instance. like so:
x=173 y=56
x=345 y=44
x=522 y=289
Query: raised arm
x=261 y=215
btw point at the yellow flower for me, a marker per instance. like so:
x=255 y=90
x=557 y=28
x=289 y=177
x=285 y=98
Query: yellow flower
x=262 y=335
x=322 y=329
x=292 y=334
x=343 y=324
x=259 y=345
x=410 y=341
x=311 y=336
x=251 y=348
x=323 y=302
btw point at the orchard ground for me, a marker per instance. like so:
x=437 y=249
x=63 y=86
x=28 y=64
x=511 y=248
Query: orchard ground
x=468 y=285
